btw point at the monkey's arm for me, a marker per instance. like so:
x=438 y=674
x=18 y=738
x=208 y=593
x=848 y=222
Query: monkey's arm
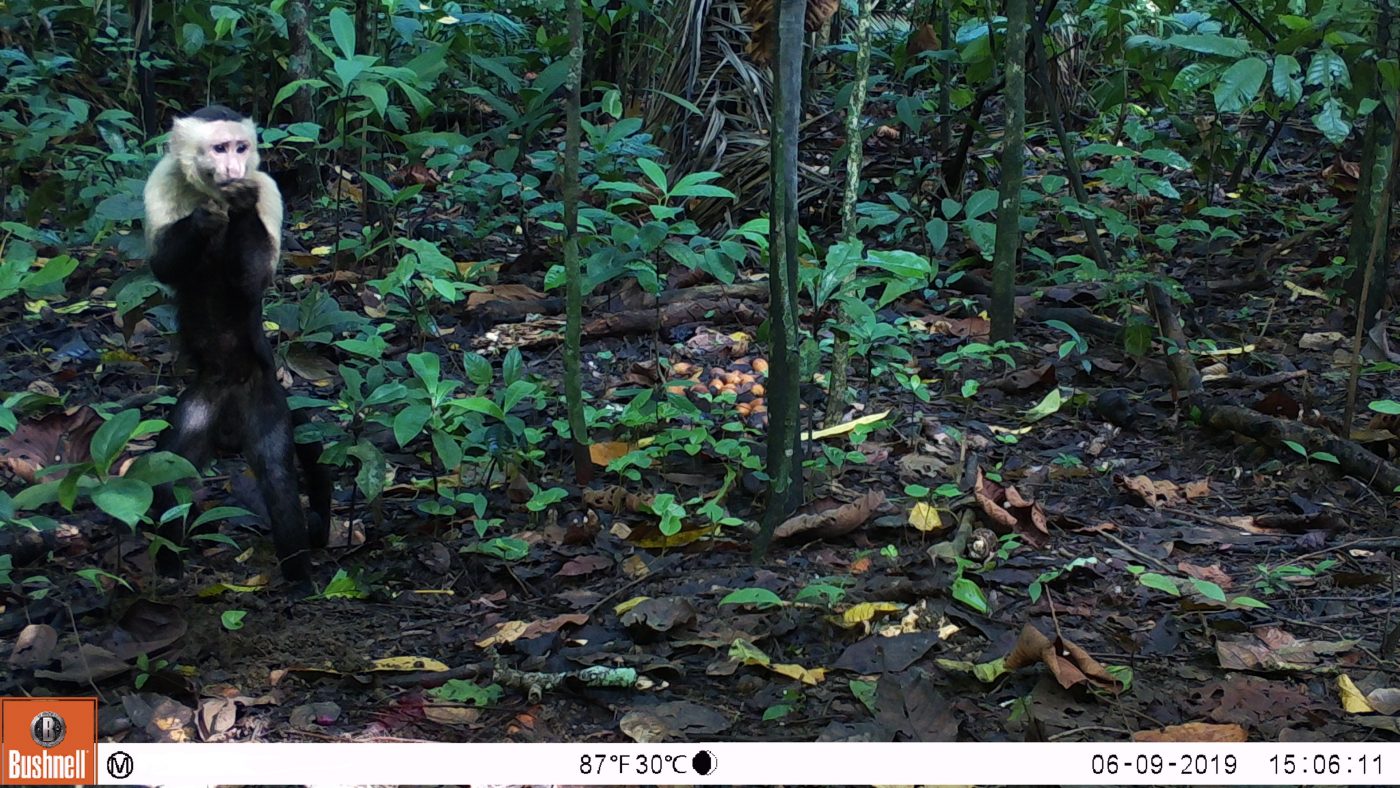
x=180 y=249
x=254 y=232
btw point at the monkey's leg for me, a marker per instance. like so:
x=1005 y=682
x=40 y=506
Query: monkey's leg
x=190 y=435
x=318 y=485
x=270 y=449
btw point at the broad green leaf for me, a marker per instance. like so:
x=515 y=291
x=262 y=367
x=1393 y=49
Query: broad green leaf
x=112 y=437
x=1048 y=404
x=1211 y=45
x=1239 y=85
x=654 y=173
x=409 y=422
x=125 y=499
x=343 y=29
x=1387 y=406
x=1287 y=85
x=969 y=593
x=760 y=598
x=1208 y=589
x=1159 y=582
x=981 y=202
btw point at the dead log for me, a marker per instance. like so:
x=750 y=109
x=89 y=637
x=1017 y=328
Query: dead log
x=500 y=311
x=638 y=321
x=1353 y=458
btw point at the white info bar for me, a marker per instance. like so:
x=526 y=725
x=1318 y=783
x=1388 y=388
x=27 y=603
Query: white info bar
x=749 y=763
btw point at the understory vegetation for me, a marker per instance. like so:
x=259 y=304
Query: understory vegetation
x=919 y=370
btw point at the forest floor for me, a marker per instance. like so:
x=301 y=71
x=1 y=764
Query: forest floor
x=1124 y=605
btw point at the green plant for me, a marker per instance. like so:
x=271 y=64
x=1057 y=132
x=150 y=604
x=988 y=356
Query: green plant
x=145 y=669
x=1273 y=579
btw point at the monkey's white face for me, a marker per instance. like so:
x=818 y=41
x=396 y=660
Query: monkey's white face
x=224 y=152
x=213 y=153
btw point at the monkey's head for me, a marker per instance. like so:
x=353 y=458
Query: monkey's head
x=214 y=146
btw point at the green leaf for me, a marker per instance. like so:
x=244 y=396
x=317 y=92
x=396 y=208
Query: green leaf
x=1048 y=404
x=966 y=591
x=343 y=29
x=112 y=437
x=409 y=422
x=937 y=232
x=981 y=202
x=654 y=173
x=232 y=620
x=1209 y=590
x=1296 y=446
x=1326 y=457
x=478 y=368
x=1287 y=86
x=1211 y=45
x=760 y=598
x=1387 y=406
x=125 y=499
x=1248 y=601
x=1240 y=84
x=505 y=548
x=219 y=513
x=1159 y=582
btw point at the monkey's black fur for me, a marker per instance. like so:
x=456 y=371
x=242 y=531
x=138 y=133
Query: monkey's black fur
x=217 y=260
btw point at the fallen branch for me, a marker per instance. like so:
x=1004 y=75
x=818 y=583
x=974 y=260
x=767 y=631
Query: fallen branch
x=1353 y=458
x=503 y=310
x=638 y=321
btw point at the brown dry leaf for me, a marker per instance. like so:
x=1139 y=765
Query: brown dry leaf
x=1212 y=573
x=1197 y=489
x=1194 y=732
x=33 y=647
x=584 y=565
x=923 y=39
x=617 y=500
x=1025 y=378
x=1271 y=648
x=444 y=713
x=57 y=438
x=976 y=328
x=833 y=522
x=1154 y=493
x=1011 y=510
x=503 y=292
x=1068 y=663
x=215 y=717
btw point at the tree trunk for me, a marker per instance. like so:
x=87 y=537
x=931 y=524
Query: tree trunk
x=1013 y=155
x=784 y=465
x=855 y=154
x=573 y=289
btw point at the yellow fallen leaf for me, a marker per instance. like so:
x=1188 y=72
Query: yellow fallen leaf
x=804 y=675
x=1226 y=351
x=623 y=607
x=1009 y=430
x=865 y=611
x=508 y=632
x=607 y=451
x=321 y=251
x=410 y=664
x=1353 y=702
x=925 y=518
x=1299 y=290
x=845 y=427
x=219 y=588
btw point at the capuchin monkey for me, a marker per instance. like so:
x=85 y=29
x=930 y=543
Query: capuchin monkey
x=214 y=230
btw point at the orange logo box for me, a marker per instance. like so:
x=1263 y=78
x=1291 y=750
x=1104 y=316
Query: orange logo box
x=44 y=741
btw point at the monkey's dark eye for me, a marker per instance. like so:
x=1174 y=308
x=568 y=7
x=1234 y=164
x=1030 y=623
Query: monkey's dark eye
x=242 y=147
x=221 y=148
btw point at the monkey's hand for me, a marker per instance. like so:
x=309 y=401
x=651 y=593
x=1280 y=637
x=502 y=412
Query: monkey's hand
x=241 y=194
x=210 y=219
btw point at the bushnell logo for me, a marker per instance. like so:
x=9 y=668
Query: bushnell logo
x=47 y=729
